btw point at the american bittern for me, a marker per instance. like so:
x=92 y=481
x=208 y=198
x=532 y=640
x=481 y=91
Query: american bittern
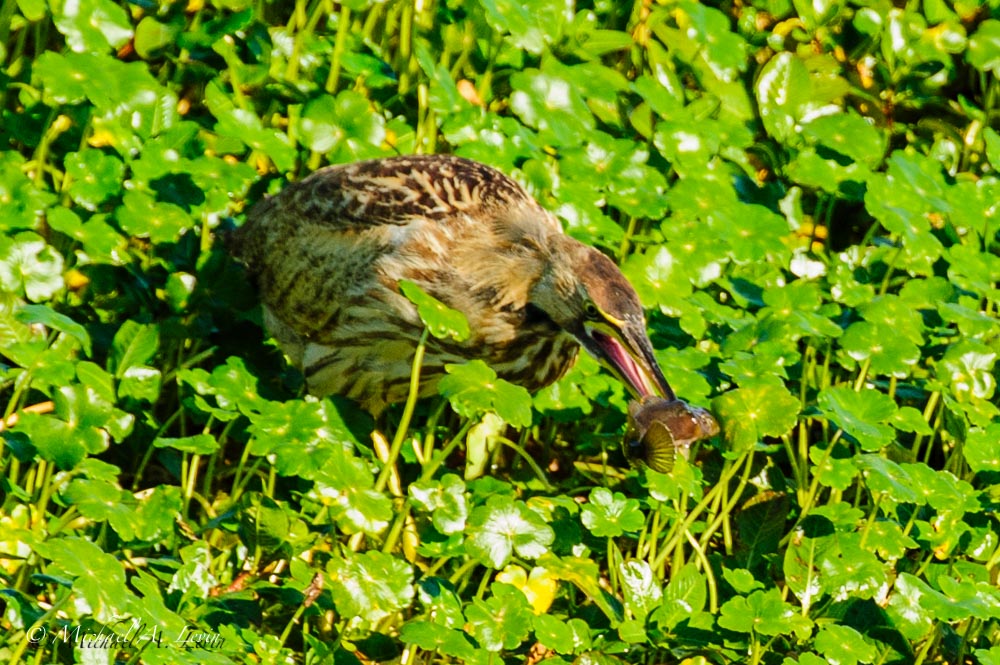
x=328 y=253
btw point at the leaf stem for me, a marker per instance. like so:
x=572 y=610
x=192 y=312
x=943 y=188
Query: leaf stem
x=404 y=421
x=339 y=46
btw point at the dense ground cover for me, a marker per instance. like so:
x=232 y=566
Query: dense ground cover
x=805 y=196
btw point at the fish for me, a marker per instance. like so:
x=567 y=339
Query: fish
x=658 y=429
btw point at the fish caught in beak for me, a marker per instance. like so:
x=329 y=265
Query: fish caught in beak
x=659 y=429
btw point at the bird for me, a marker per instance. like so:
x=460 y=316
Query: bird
x=328 y=254
x=658 y=429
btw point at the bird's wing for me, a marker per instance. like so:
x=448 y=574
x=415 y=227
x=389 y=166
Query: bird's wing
x=401 y=189
x=346 y=233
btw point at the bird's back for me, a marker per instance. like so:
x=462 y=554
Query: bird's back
x=327 y=254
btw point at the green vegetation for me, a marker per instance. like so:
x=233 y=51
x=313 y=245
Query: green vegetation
x=805 y=195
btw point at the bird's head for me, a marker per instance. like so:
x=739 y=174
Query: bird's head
x=585 y=293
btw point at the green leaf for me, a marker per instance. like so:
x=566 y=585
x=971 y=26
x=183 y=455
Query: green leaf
x=94 y=177
x=911 y=606
x=749 y=414
x=474 y=389
x=968 y=368
x=244 y=126
x=888 y=350
x=502 y=527
x=198 y=444
x=850 y=571
x=50 y=318
x=153 y=36
x=91 y=25
x=140 y=383
x=783 y=92
x=982 y=448
x=444 y=499
x=611 y=515
x=299 y=434
x=345 y=484
x=442 y=321
x=29 y=267
x=23 y=203
x=741 y=580
x=344 y=126
x=134 y=344
x=723 y=50
x=902 y=200
x=435 y=638
x=530 y=25
x=763 y=613
x=585 y=575
x=642 y=592
x=555 y=633
x=801 y=570
x=992 y=140
x=233 y=387
x=886 y=477
x=974 y=270
x=370 y=585
x=98 y=577
x=502 y=621
x=552 y=105
x=441 y=602
x=984 y=46
x=685 y=596
x=861 y=414
x=100 y=500
x=843 y=644
x=83 y=423
x=143 y=216
x=832 y=470
x=99 y=241
x=263 y=522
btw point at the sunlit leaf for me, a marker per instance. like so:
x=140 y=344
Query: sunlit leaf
x=501 y=621
x=439 y=639
x=845 y=645
x=370 y=585
x=748 y=414
x=346 y=485
x=910 y=606
x=611 y=515
x=503 y=527
x=984 y=46
x=30 y=267
x=551 y=104
x=888 y=352
x=861 y=414
x=98 y=577
x=763 y=613
x=46 y=316
x=982 y=448
x=444 y=499
x=92 y=25
x=442 y=321
x=968 y=367
x=94 y=177
x=642 y=592
x=474 y=389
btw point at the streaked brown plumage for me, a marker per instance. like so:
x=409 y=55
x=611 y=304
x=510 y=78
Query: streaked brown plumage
x=327 y=254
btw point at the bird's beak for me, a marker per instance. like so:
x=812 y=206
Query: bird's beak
x=624 y=348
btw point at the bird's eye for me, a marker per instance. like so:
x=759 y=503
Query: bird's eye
x=591 y=312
